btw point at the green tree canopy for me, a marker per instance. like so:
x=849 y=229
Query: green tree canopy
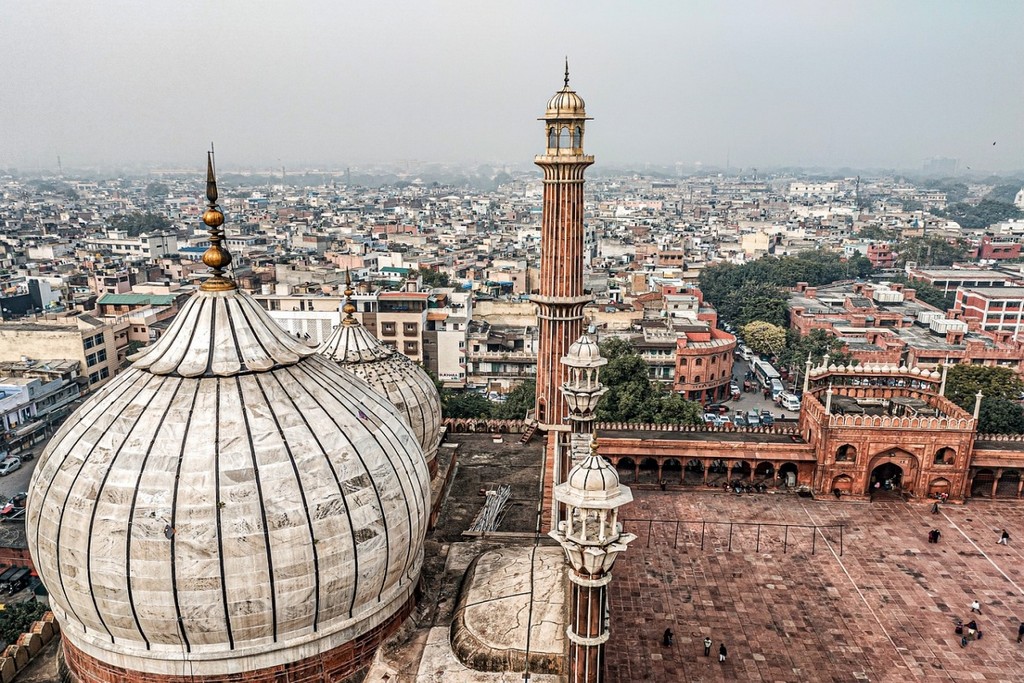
x=982 y=215
x=156 y=189
x=456 y=404
x=17 y=617
x=816 y=343
x=964 y=381
x=753 y=291
x=433 y=278
x=139 y=223
x=517 y=402
x=930 y=251
x=1000 y=416
x=632 y=397
x=764 y=337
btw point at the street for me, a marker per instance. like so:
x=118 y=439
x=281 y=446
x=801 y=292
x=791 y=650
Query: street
x=17 y=482
x=755 y=400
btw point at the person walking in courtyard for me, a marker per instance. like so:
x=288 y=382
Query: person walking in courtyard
x=707 y=643
x=976 y=607
x=935 y=508
x=722 y=652
x=666 y=639
x=1005 y=537
x=1020 y=632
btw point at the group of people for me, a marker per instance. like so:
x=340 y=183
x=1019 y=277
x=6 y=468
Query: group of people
x=740 y=487
x=968 y=631
x=667 y=640
x=934 y=535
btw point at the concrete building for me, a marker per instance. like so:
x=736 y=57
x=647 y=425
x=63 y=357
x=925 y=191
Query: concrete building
x=991 y=308
x=99 y=346
x=147 y=246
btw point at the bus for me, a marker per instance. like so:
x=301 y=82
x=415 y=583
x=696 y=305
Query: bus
x=765 y=373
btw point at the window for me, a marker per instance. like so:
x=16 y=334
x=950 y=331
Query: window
x=92 y=341
x=682 y=362
x=552 y=137
x=846 y=452
x=387 y=329
x=577 y=138
x=411 y=348
x=104 y=373
x=94 y=377
x=410 y=329
x=945 y=456
x=699 y=362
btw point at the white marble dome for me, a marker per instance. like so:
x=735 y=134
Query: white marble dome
x=233 y=501
x=408 y=386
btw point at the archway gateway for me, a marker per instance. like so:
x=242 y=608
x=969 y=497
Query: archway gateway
x=888 y=476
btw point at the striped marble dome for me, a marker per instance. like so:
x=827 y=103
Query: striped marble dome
x=231 y=502
x=394 y=375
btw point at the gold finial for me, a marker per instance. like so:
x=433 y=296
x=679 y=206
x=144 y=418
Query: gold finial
x=567 y=71
x=593 y=446
x=216 y=257
x=349 y=308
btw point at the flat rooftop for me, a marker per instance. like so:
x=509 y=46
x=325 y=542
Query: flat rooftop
x=881 y=611
x=709 y=435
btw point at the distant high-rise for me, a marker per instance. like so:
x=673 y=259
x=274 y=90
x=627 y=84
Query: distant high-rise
x=560 y=297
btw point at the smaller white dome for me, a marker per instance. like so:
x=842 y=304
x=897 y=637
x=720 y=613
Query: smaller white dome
x=832 y=368
x=904 y=369
x=584 y=353
x=935 y=375
x=593 y=475
x=916 y=372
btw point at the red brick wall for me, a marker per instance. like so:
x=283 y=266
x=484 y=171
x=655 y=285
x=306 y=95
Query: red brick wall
x=335 y=666
x=16 y=557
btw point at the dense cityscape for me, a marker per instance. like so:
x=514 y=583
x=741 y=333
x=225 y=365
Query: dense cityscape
x=434 y=372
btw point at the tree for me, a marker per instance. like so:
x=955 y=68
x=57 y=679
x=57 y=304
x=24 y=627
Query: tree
x=816 y=343
x=433 y=278
x=1000 y=416
x=139 y=223
x=632 y=397
x=964 y=381
x=930 y=251
x=157 y=189
x=17 y=617
x=456 y=404
x=764 y=337
x=517 y=402
x=982 y=215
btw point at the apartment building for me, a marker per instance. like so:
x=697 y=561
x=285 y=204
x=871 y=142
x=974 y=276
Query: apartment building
x=100 y=347
x=991 y=308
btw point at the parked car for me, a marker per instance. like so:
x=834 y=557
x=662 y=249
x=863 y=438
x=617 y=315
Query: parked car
x=9 y=465
x=739 y=420
x=716 y=408
x=789 y=402
x=766 y=418
x=753 y=418
x=15 y=507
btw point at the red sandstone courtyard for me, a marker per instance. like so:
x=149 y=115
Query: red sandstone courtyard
x=882 y=611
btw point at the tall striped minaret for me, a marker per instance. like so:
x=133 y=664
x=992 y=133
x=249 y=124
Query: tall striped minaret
x=560 y=298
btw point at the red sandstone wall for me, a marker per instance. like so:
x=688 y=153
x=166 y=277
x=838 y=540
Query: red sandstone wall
x=337 y=665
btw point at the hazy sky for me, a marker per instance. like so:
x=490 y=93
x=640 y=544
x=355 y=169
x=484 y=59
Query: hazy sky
x=332 y=83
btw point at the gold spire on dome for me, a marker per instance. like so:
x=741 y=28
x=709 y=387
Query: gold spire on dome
x=567 y=71
x=349 y=308
x=216 y=256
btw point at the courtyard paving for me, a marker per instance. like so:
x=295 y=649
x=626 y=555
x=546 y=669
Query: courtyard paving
x=882 y=610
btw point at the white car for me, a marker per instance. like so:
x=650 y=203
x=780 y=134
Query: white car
x=9 y=465
x=789 y=402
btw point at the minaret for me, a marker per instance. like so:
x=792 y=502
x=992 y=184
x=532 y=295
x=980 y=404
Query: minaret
x=560 y=298
x=592 y=539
